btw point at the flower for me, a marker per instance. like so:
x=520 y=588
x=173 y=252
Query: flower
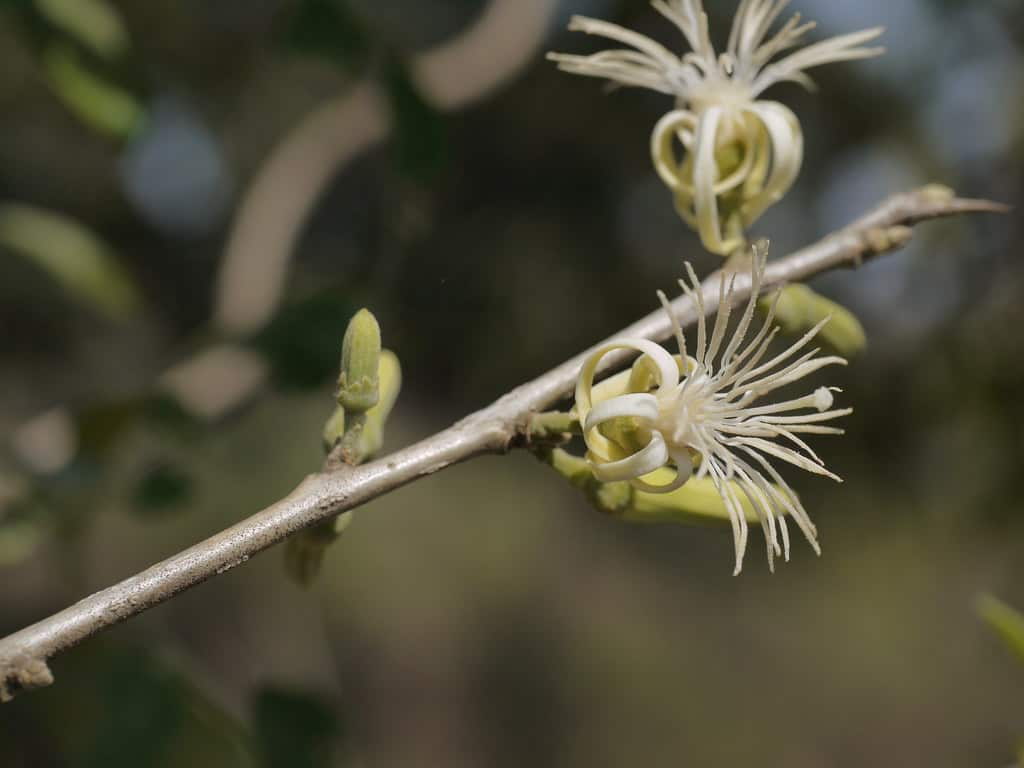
x=740 y=154
x=706 y=418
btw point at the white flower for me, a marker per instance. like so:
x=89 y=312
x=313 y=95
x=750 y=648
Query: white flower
x=708 y=417
x=740 y=153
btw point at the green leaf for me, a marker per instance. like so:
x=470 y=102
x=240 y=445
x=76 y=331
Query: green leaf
x=1007 y=622
x=103 y=106
x=72 y=255
x=294 y=730
x=95 y=24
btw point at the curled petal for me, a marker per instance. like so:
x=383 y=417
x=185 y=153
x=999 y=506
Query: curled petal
x=676 y=124
x=749 y=151
x=705 y=177
x=638 y=406
x=668 y=370
x=651 y=457
x=611 y=387
x=668 y=374
x=787 y=150
x=683 y=472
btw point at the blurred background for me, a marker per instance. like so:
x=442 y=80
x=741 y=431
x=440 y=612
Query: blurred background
x=194 y=199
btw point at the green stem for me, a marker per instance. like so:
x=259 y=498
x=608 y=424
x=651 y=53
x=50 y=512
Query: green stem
x=554 y=427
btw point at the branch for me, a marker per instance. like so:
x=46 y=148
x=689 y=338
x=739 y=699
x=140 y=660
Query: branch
x=24 y=656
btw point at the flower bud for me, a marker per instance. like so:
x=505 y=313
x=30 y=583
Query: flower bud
x=799 y=308
x=726 y=154
x=358 y=384
x=371 y=440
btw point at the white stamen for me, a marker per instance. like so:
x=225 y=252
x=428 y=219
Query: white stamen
x=713 y=413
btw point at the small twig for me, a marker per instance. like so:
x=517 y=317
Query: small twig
x=24 y=656
x=551 y=428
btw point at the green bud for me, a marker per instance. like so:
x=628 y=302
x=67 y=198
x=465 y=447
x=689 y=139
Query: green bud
x=800 y=308
x=334 y=429
x=389 y=375
x=368 y=387
x=696 y=502
x=358 y=383
x=304 y=552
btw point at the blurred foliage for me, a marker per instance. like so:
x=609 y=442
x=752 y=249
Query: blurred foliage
x=83 y=49
x=100 y=425
x=123 y=708
x=1008 y=624
x=327 y=28
x=162 y=488
x=22 y=521
x=95 y=23
x=72 y=255
x=303 y=340
x=1005 y=621
x=420 y=142
x=103 y=106
x=294 y=730
x=127 y=707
